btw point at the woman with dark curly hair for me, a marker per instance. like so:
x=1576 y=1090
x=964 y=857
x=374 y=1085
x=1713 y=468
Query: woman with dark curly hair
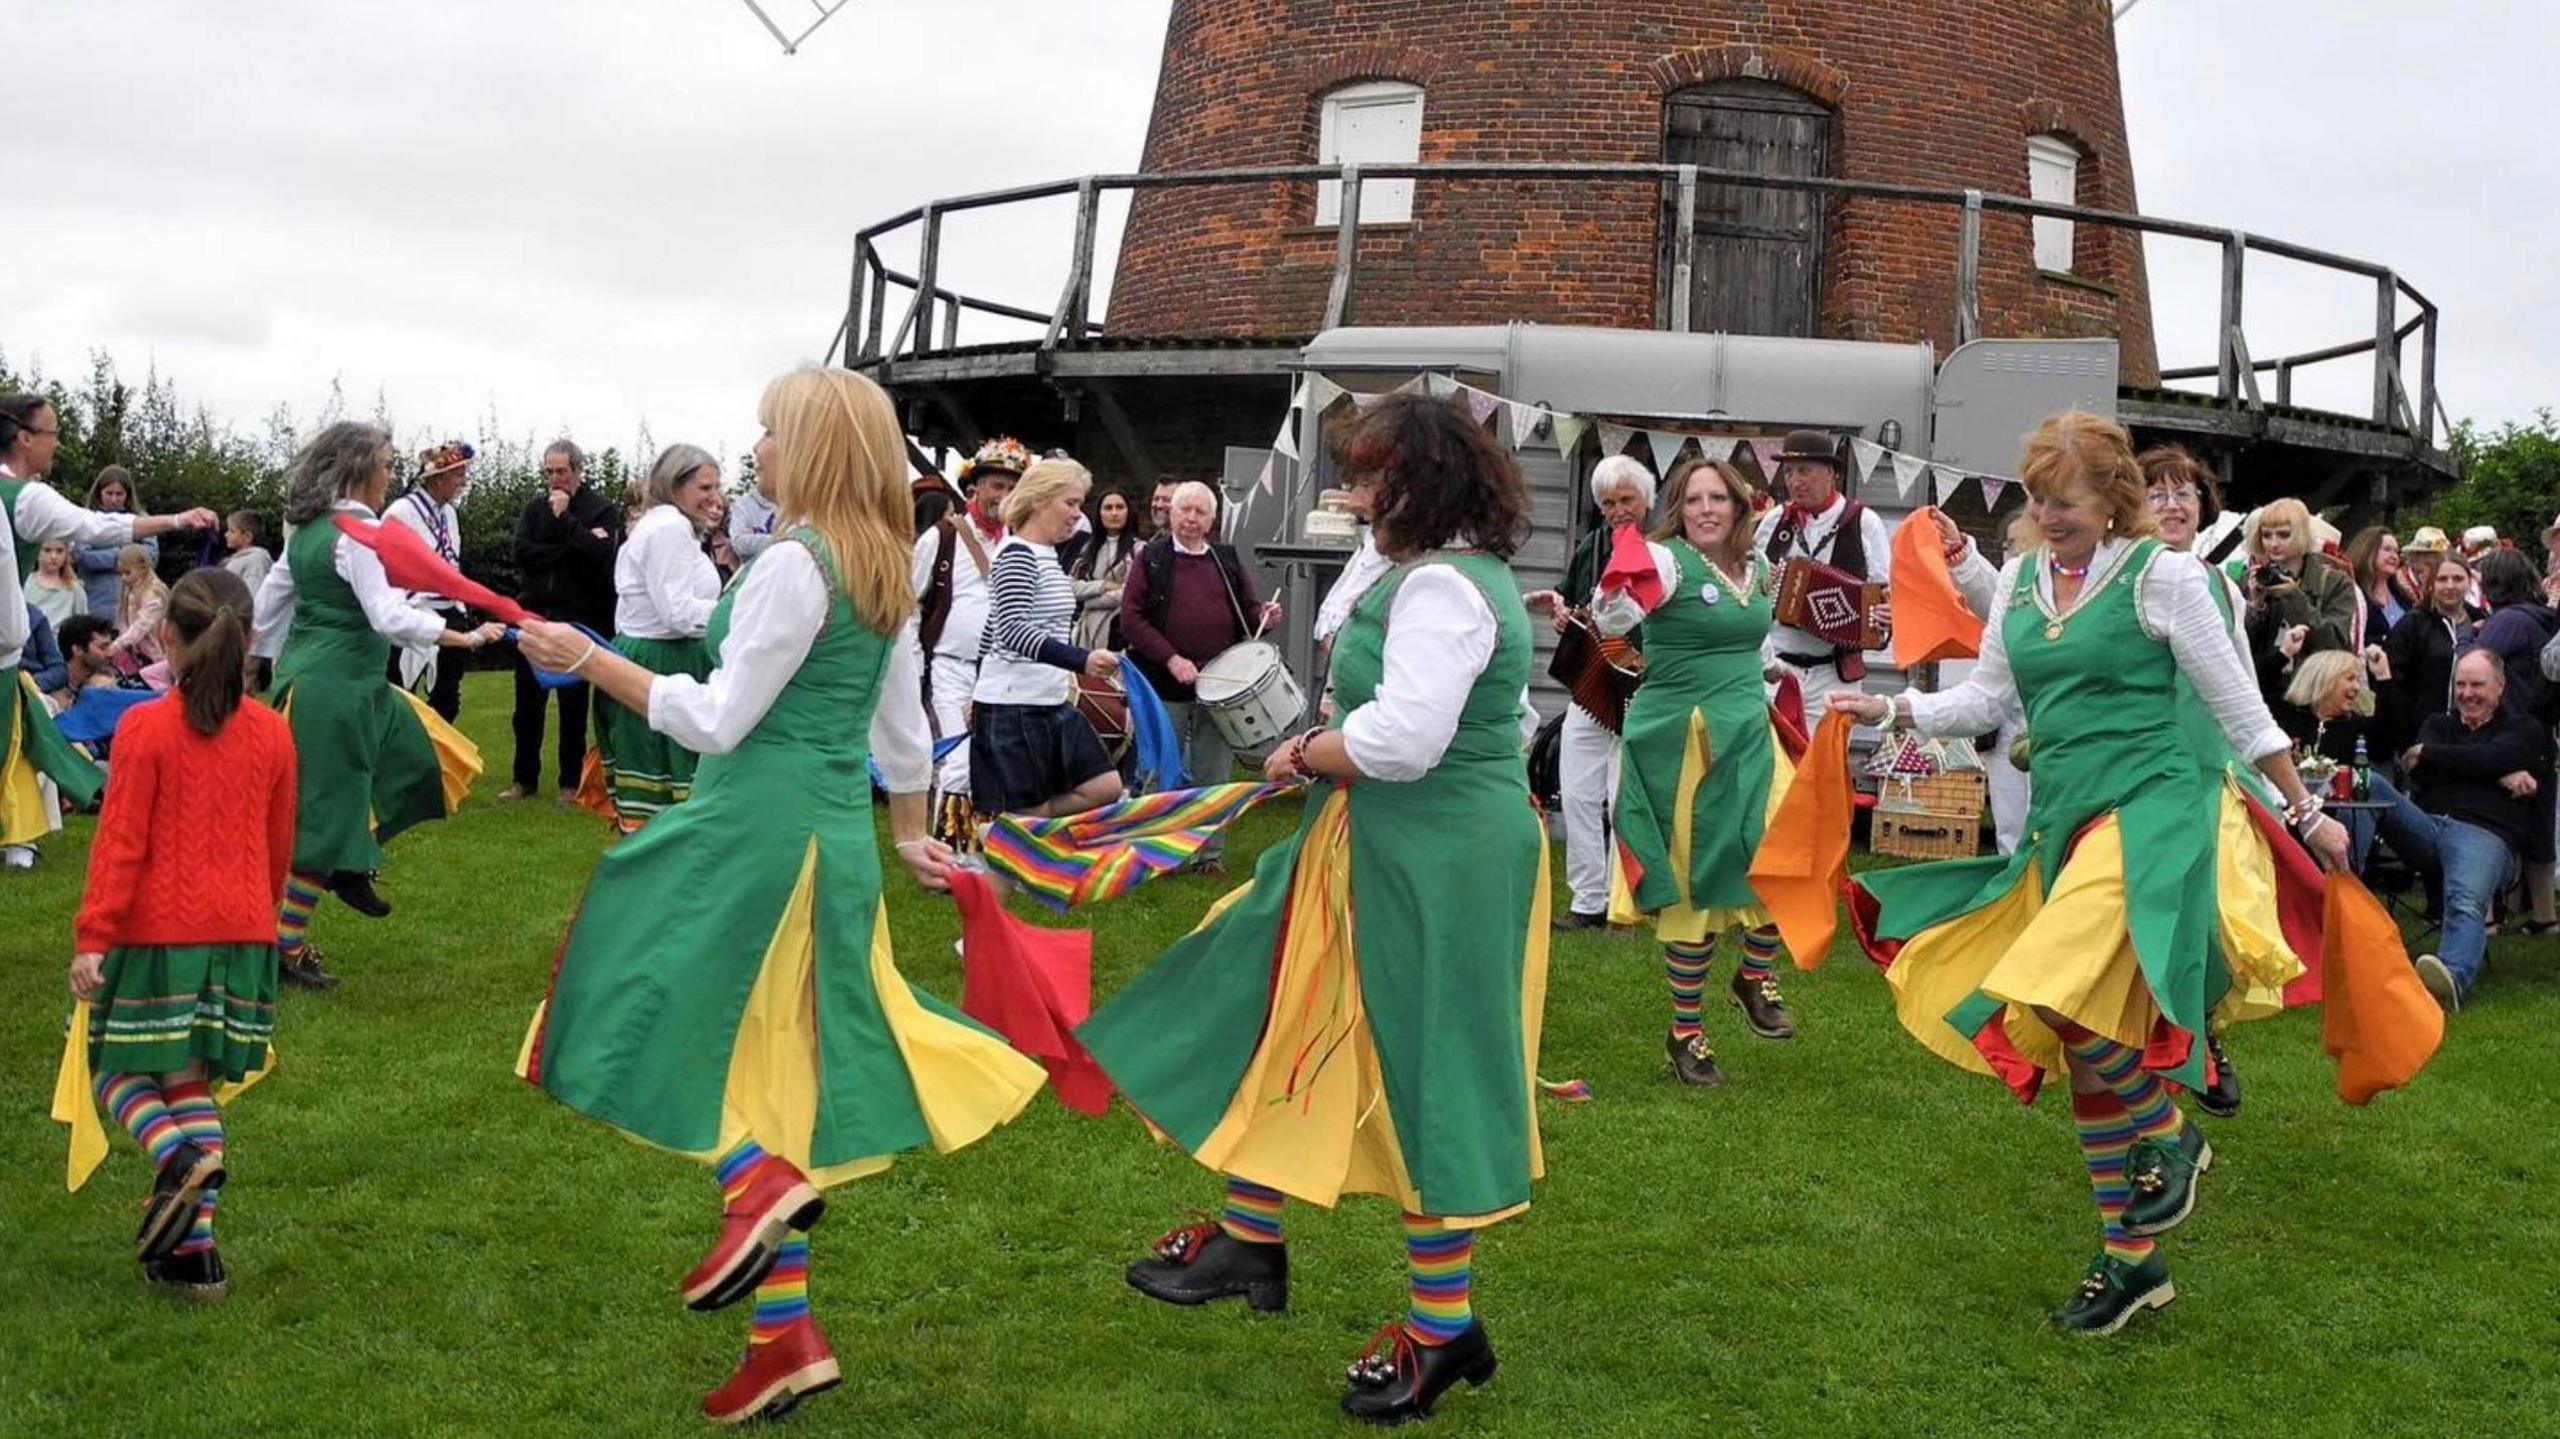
x=1363 y=1017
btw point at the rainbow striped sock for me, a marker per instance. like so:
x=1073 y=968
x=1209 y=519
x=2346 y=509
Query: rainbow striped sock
x=1684 y=966
x=782 y=1300
x=1440 y=1264
x=732 y=1170
x=1759 y=953
x=293 y=919
x=137 y=1103
x=2105 y=1134
x=2146 y=1100
x=1252 y=1215
x=199 y=1120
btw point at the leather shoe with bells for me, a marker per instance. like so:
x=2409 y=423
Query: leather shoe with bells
x=773 y=1378
x=1396 y=1380
x=1201 y=1262
x=198 y=1277
x=185 y=1176
x=1761 y=1006
x=1694 y=1061
x=2221 y=1098
x=2164 y=1175
x=354 y=888
x=778 y=1198
x=304 y=971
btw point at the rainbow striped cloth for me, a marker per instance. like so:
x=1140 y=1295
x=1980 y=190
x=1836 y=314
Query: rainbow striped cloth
x=1105 y=853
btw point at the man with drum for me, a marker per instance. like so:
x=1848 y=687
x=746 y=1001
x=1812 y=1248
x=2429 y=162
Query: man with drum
x=1188 y=599
x=1586 y=748
x=949 y=572
x=1847 y=543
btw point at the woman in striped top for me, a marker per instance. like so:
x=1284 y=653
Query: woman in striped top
x=1030 y=752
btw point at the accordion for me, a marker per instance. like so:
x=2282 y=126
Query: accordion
x=1602 y=673
x=1833 y=603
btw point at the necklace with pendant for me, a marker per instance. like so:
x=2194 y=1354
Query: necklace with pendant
x=2053 y=619
x=1716 y=577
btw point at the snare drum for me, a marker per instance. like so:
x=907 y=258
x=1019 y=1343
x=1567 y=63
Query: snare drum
x=1250 y=695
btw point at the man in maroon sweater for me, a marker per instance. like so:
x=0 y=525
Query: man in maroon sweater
x=1185 y=602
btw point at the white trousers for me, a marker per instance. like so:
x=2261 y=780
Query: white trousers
x=1819 y=683
x=953 y=679
x=1587 y=773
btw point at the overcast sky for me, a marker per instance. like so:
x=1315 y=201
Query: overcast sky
x=593 y=216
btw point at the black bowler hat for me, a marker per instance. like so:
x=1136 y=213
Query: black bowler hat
x=1812 y=447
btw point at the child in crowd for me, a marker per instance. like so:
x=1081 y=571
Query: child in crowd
x=175 y=941
x=53 y=587
x=140 y=606
x=249 y=559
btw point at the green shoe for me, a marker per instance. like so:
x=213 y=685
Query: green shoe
x=2163 y=1175
x=2113 y=1293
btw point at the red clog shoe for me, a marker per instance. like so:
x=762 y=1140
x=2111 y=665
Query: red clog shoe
x=778 y=1198
x=773 y=1378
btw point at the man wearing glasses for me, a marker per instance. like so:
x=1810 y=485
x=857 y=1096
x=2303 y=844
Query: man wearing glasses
x=564 y=554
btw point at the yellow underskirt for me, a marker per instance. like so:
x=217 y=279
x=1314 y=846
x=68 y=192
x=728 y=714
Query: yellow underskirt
x=2072 y=952
x=1679 y=923
x=23 y=816
x=456 y=756
x=1310 y=1118
x=967 y=1082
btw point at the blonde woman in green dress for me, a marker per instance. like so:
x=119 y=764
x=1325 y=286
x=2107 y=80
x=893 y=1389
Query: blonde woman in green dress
x=727 y=989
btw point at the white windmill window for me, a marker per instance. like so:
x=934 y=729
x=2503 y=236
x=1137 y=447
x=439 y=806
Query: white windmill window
x=2053 y=176
x=1375 y=122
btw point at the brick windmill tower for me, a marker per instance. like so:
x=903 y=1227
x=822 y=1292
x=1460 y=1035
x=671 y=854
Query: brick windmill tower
x=2018 y=97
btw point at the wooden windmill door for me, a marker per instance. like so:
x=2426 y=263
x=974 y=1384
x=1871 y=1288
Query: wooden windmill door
x=1756 y=253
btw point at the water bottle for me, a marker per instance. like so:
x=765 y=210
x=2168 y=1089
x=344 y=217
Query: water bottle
x=2362 y=788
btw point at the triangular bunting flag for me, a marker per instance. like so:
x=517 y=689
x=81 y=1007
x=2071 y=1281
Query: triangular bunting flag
x=1766 y=451
x=1569 y=432
x=1864 y=456
x=1667 y=445
x=1614 y=438
x=1440 y=386
x=1993 y=487
x=1365 y=401
x=1908 y=473
x=1523 y=420
x=1286 y=442
x=1480 y=404
x=1321 y=393
x=1262 y=481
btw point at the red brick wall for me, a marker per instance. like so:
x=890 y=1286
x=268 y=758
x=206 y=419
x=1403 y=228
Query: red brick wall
x=1918 y=97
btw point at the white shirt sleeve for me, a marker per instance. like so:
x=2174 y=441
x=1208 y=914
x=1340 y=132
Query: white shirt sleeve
x=43 y=514
x=901 y=733
x=1977 y=579
x=780 y=607
x=1879 y=547
x=272 y=609
x=1989 y=694
x=920 y=563
x=1615 y=612
x=386 y=609
x=2175 y=606
x=682 y=583
x=1440 y=636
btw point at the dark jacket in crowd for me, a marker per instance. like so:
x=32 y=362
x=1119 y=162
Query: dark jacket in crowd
x=567 y=567
x=42 y=660
x=2420 y=649
x=2323 y=601
x=2336 y=739
x=2459 y=770
x=1194 y=606
x=2516 y=634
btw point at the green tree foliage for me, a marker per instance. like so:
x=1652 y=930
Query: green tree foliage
x=2510 y=479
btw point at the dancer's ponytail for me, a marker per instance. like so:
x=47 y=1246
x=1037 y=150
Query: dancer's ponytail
x=209 y=611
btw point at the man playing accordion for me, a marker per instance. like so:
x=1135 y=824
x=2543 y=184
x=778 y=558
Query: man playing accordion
x=1832 y=610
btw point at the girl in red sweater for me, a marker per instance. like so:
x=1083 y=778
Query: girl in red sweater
x=175 y=946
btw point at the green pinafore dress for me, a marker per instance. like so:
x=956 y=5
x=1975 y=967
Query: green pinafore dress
x=1363 y=1016
x=373 y=760
x=729 y=976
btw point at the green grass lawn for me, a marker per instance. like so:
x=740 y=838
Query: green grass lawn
x=1851 y=1238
